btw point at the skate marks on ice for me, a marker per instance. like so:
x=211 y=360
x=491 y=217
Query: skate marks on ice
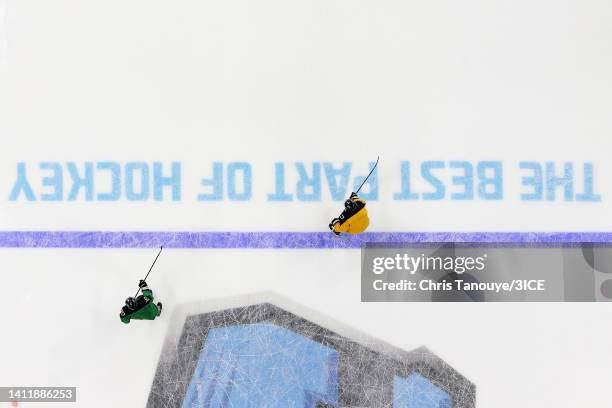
x=251 y=352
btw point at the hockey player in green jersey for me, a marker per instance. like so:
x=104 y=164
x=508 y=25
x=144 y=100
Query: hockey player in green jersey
x=142 y=307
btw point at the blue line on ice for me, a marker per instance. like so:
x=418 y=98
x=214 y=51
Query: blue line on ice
x=304 y=240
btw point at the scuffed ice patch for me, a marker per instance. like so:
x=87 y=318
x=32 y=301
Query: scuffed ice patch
x=263 y=356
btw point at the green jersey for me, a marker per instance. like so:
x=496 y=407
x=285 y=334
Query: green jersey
x=146 y=308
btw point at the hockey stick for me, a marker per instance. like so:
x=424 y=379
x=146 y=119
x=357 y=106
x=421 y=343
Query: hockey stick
x=145 y=278
x=364 y=181
x=368 y=176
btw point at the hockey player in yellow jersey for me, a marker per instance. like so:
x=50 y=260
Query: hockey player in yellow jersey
x=354 y=219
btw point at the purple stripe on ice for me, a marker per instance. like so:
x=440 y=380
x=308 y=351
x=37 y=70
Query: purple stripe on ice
x=141 y=239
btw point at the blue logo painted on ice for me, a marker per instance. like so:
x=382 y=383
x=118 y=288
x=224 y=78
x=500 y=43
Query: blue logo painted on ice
x=431 y=180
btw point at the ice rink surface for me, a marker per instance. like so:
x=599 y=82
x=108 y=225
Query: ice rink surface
x=285 y=82
x=61 y=324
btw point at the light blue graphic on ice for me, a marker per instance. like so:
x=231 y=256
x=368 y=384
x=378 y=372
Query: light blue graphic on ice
x=431 y=180
x=542 y=181
x=265 y=366
x=416 y=391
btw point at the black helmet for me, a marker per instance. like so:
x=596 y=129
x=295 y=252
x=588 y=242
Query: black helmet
x=130 y=302
x=350 y=205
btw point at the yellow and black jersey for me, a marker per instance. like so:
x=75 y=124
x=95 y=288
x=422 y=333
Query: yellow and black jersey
x=354 y=219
